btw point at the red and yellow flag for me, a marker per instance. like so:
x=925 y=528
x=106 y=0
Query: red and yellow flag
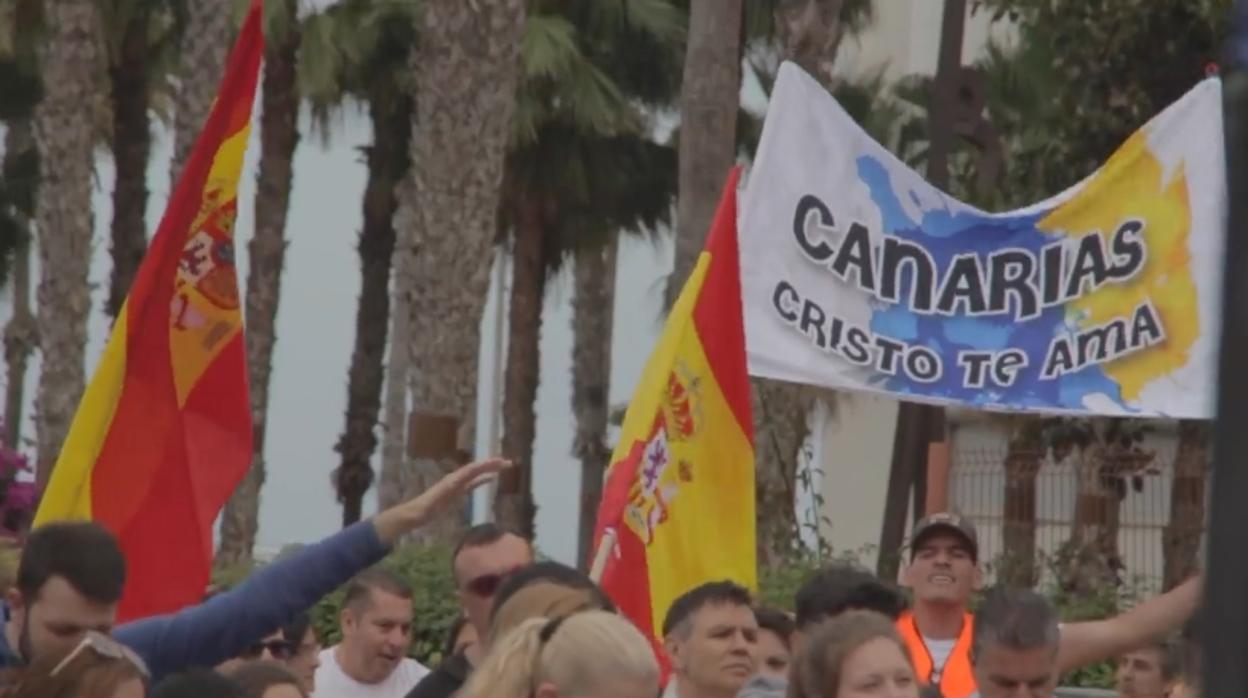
x=680 y=492
x=163 y=433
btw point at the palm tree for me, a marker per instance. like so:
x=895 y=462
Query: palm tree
x=579 y=150
x=142 y=39
x=1182 y=538
x=710 y=98
x=279 y=135
x=593 y=308
x=467 y=68
x=358 y=50
x=19 y=178
x=1022 y=466
x=17 y=203
x=208 y=35
x=69 y=61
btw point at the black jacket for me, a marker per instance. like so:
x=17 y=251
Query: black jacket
x=444 y=681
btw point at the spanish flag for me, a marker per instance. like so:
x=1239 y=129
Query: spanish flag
x=163 y=433
x=679 y=496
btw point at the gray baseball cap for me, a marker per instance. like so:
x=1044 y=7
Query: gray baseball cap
x=946 y=522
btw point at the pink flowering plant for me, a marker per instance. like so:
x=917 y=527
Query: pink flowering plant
x=18 y=491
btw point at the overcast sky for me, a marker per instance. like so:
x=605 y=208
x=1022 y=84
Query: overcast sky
x=316 y=327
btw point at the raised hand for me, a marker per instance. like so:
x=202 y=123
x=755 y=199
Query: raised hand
x=421 y=509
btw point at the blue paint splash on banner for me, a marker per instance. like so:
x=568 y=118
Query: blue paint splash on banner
x=945 y=233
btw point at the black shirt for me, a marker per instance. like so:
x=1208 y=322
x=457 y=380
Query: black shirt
x=444 y=681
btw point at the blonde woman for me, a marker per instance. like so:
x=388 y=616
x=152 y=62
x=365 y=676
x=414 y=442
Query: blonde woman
x=856 y=655
x=593 y=654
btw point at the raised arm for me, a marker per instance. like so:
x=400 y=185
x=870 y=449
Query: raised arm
x=221 y=628
x=1095 y=641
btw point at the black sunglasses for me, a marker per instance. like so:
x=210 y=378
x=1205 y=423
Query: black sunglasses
x=278 y=649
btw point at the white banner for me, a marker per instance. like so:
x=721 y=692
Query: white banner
x=1104 y=299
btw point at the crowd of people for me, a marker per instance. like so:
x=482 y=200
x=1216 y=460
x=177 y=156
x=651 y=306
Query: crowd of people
x=534 y=629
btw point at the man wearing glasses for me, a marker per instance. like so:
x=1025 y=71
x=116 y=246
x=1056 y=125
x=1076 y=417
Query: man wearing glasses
x=295 y=646
x=484 y=557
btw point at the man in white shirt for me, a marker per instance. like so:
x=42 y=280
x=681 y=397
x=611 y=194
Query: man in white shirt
x=371 y=661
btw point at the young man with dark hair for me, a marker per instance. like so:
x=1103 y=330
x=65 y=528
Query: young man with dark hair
x=711 y=633
x=826 y=594
x=1150 y=671
x=838 y=588
x=371 y=661
x=775 y=642
x=295 y=646
x=944 y=573
x=71 y=575
x=483 y=559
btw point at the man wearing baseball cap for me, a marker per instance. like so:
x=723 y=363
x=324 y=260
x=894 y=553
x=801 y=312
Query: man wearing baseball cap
x=944 y=573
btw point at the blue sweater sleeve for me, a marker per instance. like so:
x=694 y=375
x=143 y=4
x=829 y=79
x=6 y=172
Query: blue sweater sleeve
x=221 y=628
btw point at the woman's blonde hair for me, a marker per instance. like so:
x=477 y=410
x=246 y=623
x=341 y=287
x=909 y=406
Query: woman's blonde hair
x=822 y=659
x=576 y=653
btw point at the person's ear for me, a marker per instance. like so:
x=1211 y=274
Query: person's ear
x=676 y=644
x=346 y=618
x=978 y=579
x=546 y=690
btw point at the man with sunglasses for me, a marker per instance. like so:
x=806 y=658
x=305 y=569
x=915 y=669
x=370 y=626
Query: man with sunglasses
x=484 y=557
x=71 y=576
x=295 y=646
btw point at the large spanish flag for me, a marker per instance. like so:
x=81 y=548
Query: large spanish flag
x=163 y=432
x=680 y=492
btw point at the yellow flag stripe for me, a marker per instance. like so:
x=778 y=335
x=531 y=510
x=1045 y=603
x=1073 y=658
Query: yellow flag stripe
x=68 y=493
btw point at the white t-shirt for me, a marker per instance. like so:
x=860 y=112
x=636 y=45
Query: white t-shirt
x=333 y=682
x=940 y=651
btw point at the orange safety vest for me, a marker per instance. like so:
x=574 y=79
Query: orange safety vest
x=957 y=679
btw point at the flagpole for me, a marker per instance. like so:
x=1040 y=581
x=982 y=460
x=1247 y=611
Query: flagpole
x=1225 y=627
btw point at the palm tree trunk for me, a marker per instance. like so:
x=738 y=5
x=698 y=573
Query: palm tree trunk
x=1181 y=547
x=466 y=75
x=593 y=306
x=394 y=466
x=206 y=41
x=1022 y=465
x=387 y=165
x=514 y=502
x=1088 y=568
x=279 y=136
x=709 y=99
x=68 y=61
x=781 y=427
x=21 y=333
x=132 y=143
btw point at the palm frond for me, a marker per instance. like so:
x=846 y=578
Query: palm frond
x=548 y=48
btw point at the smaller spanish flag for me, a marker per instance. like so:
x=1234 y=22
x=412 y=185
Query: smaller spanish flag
x=679 y=495
x=163 y=433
